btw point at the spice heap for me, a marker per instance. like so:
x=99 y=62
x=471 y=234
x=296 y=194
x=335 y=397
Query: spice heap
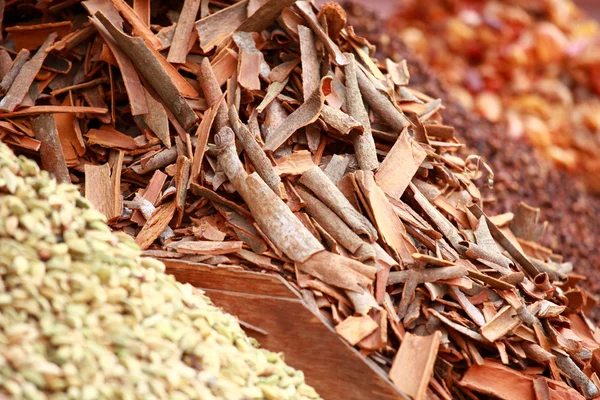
x=522 y=174
x=316 y=162
x=85 y=316
x=533 y=66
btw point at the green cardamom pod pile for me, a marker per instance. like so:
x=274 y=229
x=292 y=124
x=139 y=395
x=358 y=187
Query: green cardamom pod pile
x=84 y=316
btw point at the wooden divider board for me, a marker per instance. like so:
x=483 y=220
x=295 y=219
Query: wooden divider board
x=334 y=368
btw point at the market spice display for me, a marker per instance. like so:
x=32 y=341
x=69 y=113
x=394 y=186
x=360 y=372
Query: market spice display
x=532 y=66
x=85 y=316
x=522 y=173
x=273 y=141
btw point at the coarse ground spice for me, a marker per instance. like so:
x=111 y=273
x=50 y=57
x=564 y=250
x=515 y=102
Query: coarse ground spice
x=521 y=174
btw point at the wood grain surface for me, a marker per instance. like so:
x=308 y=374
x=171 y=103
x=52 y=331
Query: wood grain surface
x=331 y=366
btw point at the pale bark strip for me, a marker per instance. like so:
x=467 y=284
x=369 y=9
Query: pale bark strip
x=183 y=32
x=257 y=156
x=51 y=152
x=278 y=222
x=307 y=113
x=330 y=222
x=212 y=93
x=316 y=180
x=381 y=104
x=364 y=145
x=25 y=77
x=151 y=68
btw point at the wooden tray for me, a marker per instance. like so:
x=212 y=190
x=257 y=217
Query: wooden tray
x=333 y=367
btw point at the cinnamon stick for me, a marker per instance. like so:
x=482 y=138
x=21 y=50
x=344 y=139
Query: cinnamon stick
x=328 y=193
x=381 y=104
x=52 y=157
x=364 y=145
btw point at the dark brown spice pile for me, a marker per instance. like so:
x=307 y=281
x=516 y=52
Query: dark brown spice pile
x=521 y=175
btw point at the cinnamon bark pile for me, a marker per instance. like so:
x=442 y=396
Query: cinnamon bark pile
x=263 y=135
x=522 y=173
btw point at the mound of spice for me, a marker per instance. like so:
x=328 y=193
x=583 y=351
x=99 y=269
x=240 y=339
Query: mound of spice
x=264 y=136
x=532 y=66
x=84 y=316
x=522 y=173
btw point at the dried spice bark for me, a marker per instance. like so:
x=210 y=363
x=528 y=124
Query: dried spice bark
x=521 y=174
x=398 y=255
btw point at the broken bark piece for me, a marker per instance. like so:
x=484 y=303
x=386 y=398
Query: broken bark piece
x=257 y=156
x=202 y=135
x=311 y=66
x=355 y=329
x=229 y=161
x=400 y=165
x=155 y=225
x=131 y=80
x=501 y=324
x=398 y=71
x=32 y=36
x=217 y=27
x=413 y=365
x=22 y=82
x=139 y=27
x=182 y=178
x=525 y=223
x=115 y=162
x=497 y=380
x=390 y=227
x=331 y=222
x=307 y=113
x=111 y=138
x=364 y=145
x=151 y=68
x=51 y=153
x=15 y=68
x=157 y=120
x=183 y=32
x=251 y=65
x=381 y=104
x=531 y=269
x=207 y=247
x=316 y=180
x=445 y=226
x=98 y=188
x=306 y=11
x=428 y=275
x=142 y=9
x=278 y=222
x=340 y=121
x=156 y=161
x=338 y=271
x=336 y=168
x=212 y=93
x=151 y=194
x=295 y=164
x=264 y=16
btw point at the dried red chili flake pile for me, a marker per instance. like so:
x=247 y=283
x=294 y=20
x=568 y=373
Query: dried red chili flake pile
x=263 y=135
x=532 y=65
